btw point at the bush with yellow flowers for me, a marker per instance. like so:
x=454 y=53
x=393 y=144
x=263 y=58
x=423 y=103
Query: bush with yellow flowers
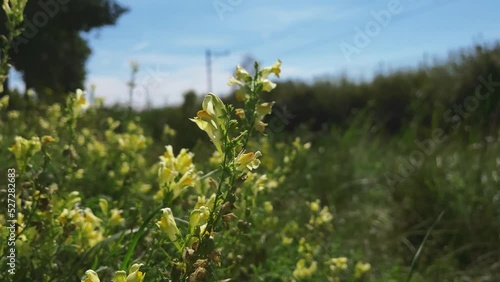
x=92 y=205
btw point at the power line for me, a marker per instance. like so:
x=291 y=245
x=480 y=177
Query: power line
x=208 y=55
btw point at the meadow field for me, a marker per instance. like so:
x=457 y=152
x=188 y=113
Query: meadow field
x=396 y=178
x=347 y=198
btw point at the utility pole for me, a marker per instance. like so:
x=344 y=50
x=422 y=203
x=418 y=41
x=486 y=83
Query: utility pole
x=208 y=55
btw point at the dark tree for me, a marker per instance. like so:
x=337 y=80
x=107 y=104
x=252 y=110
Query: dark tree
x=51 y=53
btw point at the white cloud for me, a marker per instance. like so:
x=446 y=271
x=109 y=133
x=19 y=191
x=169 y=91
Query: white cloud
x=140 y=46
x=291 y=17
x=164 y=87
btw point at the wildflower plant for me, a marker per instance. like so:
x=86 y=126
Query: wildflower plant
x=229 y=131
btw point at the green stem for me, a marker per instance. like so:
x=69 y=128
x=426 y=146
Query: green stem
x=421 y=247
x=253 y=101
x=210 y=223
x=137 y=236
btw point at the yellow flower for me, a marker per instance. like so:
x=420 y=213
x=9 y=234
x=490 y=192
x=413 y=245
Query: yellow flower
x=169 y=153
x=267 y=85
x=199 y=217
x=167 y=224
x=103 y=204
x=134 y=274
x=275 y=69
x=187 y=179
x=124 y=168
x=120 y=276
x=325 y=215
x=287 y=240
x=165 y=175
x=145 y=188
x=47 y=139
x=240 y=113
x=116 y=217
x=31 y=93
x=176 y=173
x=338 y=263
x=80 y=103
x=73 y=198
x=361 y=268
x=24 y=149
x=63 y=217
x=240 y=95
x=12 y=114
x=202 y=201
x=131 y=142
x=314 y=206
x=168 y=131
x=302 y=271
x=91 y=276
x=184 y=161
x=79 y=173
x=242 y=74
x=264 y=109
x=249 y=161
x=233 y=81
x=91 y=218
x=260 y=126
x=210 y=119
x=203 y=229
x=4 y=101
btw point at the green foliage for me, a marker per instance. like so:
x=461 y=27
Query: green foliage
x=417 y=98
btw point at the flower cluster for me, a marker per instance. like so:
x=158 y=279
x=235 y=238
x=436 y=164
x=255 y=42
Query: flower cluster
x=88 y=229
x=361 y=269
x=302 y=271
x=176 y=173
x=258 y=83
x=24 y=149
x=255 y=111
x=320 y=216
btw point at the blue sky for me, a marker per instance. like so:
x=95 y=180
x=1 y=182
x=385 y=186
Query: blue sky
x=169 y=39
